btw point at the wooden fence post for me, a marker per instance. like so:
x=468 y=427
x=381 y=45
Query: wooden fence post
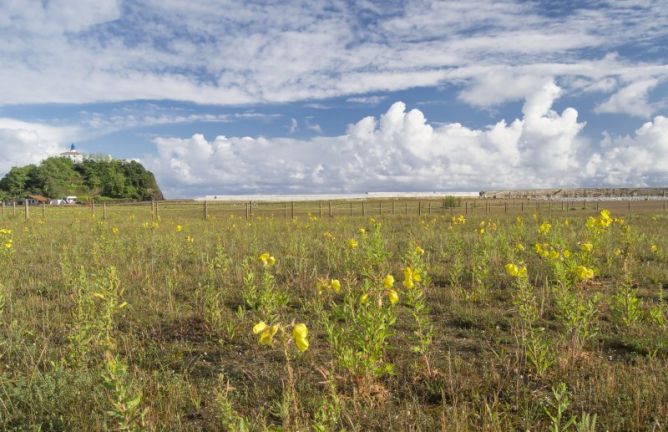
x=14 y=208
x=247 y=211
x=392 y=208
x=27 y=211
x=320 y=209
x=419 y=208
x=206 y=209
x=292 y=209
x=157 y=211
x=380 y=208
x=330 y=208
x=505 y=207
x=429 y=208
x=466 y=207
x=363 y=209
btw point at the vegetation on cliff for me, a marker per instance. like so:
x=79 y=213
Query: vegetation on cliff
x=57 y=177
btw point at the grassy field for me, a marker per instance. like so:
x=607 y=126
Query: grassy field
x=492 y=320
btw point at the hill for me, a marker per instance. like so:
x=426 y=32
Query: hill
x=57 y=177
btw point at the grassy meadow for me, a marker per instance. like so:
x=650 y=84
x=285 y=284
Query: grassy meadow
x=446 y=321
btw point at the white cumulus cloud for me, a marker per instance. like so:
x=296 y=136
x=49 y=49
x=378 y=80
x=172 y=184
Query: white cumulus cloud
x=23 y=143
x=399 y=150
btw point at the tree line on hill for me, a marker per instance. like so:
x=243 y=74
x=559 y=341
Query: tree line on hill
x=57 y=177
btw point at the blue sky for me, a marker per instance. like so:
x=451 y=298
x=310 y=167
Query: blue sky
x=220 y=97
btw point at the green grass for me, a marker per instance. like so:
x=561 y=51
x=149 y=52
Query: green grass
x=181 y=354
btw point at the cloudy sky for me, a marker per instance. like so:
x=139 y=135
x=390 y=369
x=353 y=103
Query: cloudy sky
x=222 y=97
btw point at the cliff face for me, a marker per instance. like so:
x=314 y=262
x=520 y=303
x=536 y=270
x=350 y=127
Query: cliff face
x=58 y=177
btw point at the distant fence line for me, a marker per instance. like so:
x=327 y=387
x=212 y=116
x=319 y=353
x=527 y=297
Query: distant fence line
x=336 y=208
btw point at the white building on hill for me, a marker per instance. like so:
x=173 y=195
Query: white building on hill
x=73 y=155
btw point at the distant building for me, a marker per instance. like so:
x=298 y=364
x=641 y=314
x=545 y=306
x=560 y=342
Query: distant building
x=37 y=199
x=73 y=155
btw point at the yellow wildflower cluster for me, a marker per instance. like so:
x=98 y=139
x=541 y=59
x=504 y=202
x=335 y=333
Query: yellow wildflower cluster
x=547 y=251
x=584 y=273
x=328 y=236
x=7 y=241
x=516 y=271
x=190 y=239
x=267 y=259
x=179 y=228
x=601 y=222
x=411 y=277
x=654 y=249
x=586 y=247
x=267 y=332
x=458 y=220
x=544 y=228
x=519 y=247
x=392 y=294
x=352 y=243
x=333 y=285
x=486 y=226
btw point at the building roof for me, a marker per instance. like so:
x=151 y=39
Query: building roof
x=38 y=198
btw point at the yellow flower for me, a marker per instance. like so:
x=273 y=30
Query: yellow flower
x=267 y=260
x=5 y=231
x=335 y=285
x=519 y=247
x=654 y=248
x=9 y=244
x=419 y=250
x=458 y=220
x=190 y=239
x=544 y=228
x=259 y=327
x=352 y=243
x=567 y=253
x=114 y=230
x=329 y=236
x=179 y=228
x=393 y=296
x=586 y=247
x=362 y=232
x=410 y=277
x=266 y=332
x=514 y=270
x=364 y=298
x=617 y=252
x=300 y=334
x=584 y=273
x=388 y=282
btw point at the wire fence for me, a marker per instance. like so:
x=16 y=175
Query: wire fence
x=334 y=209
